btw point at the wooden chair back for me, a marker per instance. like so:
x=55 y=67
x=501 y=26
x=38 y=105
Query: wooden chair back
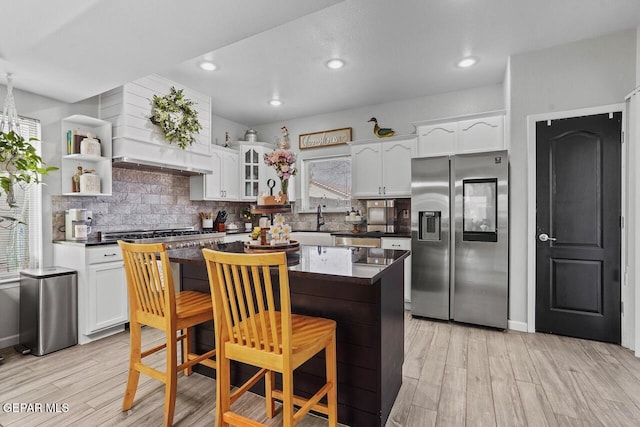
x=149 y=282
x=244 y=303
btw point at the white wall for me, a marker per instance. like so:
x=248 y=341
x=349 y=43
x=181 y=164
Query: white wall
x=220 y=125
x=49 y=112
x=583 y=74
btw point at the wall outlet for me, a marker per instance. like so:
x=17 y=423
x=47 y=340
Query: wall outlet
x=405 y=214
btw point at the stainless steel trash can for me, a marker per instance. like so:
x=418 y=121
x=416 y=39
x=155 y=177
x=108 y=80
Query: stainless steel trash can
x=48 y=309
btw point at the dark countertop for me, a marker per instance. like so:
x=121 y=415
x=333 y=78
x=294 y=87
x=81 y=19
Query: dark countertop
x=370 y=234
x=353 y=264
x=91 y=241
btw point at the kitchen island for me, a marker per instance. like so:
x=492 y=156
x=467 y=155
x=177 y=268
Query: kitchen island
x=362 y=290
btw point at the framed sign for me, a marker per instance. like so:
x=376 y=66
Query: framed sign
x=324 y=138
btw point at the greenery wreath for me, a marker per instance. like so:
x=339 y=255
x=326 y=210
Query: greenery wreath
x=176 y=117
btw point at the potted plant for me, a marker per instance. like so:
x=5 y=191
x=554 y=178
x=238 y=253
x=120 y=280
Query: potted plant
x=19 y=162
x=247 y=216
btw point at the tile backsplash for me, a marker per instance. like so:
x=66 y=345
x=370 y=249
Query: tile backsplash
x=152 y=200
x=142 y=200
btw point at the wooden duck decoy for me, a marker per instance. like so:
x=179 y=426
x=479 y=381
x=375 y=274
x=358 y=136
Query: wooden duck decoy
x=381 y=132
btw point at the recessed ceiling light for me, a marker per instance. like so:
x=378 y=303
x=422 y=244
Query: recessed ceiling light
x=275 y=102
x=335 y=63
x=208 y=66
x=467 y=62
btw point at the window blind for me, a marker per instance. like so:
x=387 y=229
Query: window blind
x=21 y=226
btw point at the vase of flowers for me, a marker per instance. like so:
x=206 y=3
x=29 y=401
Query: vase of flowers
x=283 y=161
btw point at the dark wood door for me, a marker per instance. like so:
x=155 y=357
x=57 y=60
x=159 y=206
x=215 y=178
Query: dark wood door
x=578 y=207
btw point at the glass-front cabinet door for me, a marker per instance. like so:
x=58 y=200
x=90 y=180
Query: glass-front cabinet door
x=252 y=156
x=254 y=173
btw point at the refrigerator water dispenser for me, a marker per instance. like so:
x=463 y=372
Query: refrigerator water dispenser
x=429 y=225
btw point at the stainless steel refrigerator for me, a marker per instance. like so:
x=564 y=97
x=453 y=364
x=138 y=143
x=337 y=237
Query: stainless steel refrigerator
x=460 y=238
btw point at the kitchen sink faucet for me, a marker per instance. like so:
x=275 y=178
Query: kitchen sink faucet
x=319 y=218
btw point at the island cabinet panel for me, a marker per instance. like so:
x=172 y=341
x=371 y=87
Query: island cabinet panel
x=370 y=338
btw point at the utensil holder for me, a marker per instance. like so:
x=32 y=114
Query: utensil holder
x=207 y=223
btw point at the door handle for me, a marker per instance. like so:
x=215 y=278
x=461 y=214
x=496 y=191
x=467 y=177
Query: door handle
x=545 y=238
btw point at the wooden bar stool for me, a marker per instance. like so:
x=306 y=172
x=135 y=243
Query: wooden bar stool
x=154 y=302
x=248 y=329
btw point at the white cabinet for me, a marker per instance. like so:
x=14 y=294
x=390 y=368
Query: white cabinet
x=107 y=300
x=74 y=128
x=483 y=134
x=223 y=183
x=401 y=244
x=102 y=288
x=254 y=173
x=470 y=134
x=437 y=140
x=382 y=168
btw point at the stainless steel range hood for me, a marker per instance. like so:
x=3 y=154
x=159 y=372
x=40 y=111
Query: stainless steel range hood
x=146 y=165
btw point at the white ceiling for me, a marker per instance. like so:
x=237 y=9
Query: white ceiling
x=74 y=49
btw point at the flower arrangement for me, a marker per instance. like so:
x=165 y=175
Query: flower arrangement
x=280 y=232
x=177 y=117
x=282 y=160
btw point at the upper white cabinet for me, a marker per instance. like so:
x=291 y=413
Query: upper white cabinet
x=73 y=130
x=470 y=134
x=483 y=134
x=223 y=183
x=382 y=168
x=255 y=174
x=436 y=140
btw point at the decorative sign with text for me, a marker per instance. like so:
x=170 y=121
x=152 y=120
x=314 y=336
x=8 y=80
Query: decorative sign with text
x=324 y=138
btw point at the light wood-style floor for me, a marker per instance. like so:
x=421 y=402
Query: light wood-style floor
x=454 y=375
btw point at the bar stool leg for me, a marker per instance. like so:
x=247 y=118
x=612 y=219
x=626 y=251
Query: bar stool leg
x=135 y=356
x=268 y=388
x=186 y=348
x=332 y=377
x=287 y=398
x=171 y=379
x=223 y=387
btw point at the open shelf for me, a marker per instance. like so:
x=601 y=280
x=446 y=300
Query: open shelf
x=270 y=209
x=101 y=164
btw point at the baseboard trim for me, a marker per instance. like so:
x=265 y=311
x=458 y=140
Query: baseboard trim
x=517 y=326
x=9 y=341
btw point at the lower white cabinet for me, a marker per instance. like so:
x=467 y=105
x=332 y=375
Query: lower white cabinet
x=102 y=289
x=401 y=244
x=107 y=301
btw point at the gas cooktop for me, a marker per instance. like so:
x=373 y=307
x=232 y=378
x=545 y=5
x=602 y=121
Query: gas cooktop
x=175 y=238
